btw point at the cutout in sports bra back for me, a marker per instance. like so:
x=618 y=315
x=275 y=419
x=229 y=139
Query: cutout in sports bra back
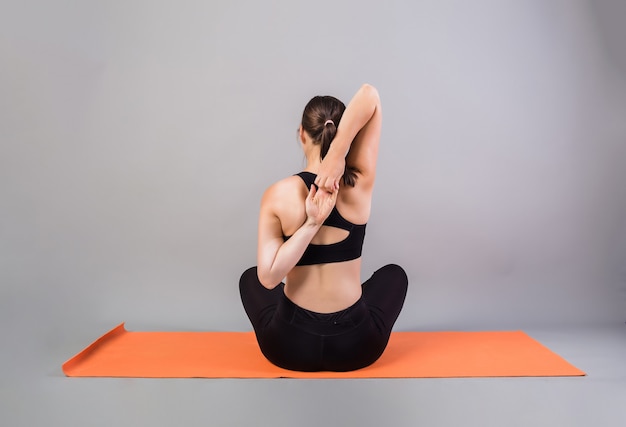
x=345 y=250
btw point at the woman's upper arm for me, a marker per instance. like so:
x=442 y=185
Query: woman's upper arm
x=363 y=153
x=270 y=239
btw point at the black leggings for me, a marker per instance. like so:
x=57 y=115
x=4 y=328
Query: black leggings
x=301 y=340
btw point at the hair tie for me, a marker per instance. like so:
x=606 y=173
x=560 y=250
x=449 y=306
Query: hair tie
x=328 y=121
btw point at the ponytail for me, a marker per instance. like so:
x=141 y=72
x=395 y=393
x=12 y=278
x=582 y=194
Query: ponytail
x=328 y=134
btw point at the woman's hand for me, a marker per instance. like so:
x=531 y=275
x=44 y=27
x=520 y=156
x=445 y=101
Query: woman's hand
x=330 y=172
x=319 y=204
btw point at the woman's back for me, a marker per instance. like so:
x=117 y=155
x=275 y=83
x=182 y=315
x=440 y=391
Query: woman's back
x=331 y=286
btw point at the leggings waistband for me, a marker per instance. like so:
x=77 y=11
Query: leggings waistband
x=322 y=323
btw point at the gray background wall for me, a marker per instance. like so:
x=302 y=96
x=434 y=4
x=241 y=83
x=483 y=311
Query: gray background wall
x=138 y=136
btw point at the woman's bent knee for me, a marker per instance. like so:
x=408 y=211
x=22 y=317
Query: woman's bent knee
x=249 y=276
x=395 y=273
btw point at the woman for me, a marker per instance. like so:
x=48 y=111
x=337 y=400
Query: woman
x=311 y=231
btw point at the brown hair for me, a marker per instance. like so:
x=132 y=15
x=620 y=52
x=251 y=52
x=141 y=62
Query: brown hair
x=315 y=121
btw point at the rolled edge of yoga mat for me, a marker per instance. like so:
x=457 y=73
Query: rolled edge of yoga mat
x=71 y=366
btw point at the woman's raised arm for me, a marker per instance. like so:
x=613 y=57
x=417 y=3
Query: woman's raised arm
x=356 y=142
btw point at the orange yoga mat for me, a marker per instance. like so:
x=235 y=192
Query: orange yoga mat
x=120 y=353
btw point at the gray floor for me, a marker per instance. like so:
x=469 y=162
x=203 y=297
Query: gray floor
x=34 y=392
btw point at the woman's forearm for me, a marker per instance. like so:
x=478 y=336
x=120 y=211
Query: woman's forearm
x=359 y=111
x=357 y=116
x=288 y=255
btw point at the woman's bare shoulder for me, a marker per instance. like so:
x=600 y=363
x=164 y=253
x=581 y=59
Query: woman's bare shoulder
x=286 y=191
x=284 y=200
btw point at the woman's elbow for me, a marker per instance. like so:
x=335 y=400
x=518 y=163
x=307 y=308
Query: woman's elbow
x=370 y=92
x=266 y=279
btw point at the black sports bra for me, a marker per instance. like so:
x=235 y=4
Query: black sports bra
x=348 y=249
